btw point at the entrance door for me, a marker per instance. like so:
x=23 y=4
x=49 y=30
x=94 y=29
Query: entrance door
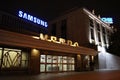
x=56 y=63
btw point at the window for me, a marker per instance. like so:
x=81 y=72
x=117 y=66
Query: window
x=104 y=38
x=49 y=67
x=98 y=26
x=103 y=30
x=65 y=59
x=99 y=38
x=60 y=59
x=49 y=59
x=108 y=36
x=54 y=59
x=0 y=19
x=0 y=56
x=24 y=59
x=72 y=60
x=15 y=24
x=64 y=67
x=91 y=30
x=104 y=34
x=42 y=68
x=53 y=30
x=42 y=60
x=63 y=28
x=92 y=33
x=13 y=59
x=91 y=22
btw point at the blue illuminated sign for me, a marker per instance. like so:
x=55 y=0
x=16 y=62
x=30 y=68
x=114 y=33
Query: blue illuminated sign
x=32 y=18
x=107 y=20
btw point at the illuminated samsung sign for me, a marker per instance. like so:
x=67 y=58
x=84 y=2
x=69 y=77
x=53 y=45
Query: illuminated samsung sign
x=107 y=20
x=32 y=19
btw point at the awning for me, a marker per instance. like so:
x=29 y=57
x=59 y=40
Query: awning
x=21 y=40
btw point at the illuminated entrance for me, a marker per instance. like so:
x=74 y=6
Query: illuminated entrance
x=55 y=63
x=13 y=59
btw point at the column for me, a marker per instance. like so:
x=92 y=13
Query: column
x=78 y=66
x=35 y=61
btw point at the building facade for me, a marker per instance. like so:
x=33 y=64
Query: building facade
x=24 y=49
x=88 y=30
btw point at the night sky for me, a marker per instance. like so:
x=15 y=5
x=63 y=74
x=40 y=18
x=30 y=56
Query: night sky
x=49 y=9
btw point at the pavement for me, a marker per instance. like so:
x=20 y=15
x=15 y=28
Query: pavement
x=91 y=75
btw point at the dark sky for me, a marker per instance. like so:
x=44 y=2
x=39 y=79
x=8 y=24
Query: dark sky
x=49 y=9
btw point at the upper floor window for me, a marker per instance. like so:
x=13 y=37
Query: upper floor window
x=91 y=22
x=98 y=26
x=104 y=38
x=92 y=33
x=53 y=29
x=103 y=30
x=99 y=37
x=63 y=28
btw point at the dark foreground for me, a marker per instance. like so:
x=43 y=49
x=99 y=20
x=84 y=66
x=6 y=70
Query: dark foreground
x=93 y=75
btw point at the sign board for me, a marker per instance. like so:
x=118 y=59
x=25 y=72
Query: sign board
x=107 y=20
x=32 y=19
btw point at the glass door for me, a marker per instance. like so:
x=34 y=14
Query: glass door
x=56 y=63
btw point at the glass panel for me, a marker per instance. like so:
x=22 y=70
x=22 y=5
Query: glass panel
x=14 y=59
x=42 y=60
x=49 y=67
x=91 y=22
x=24 y=63
x=0 y=62
x=55 y=67
x=104 y=38
x=103 y=29
x=99 y=37
x=49 y=59
x=69 y=60
x=63 y=28
x=73 y=67
x=64 y=59
x=73 y=60
x=60 y=67
x=0 y=53
x=59 y=59
x=69 y=67
x=98 y=26
x=42 y=67
x=24 y=56
x=11 y=58
x=54 y=59
x=64 y=67
x=53 y=29
x=92 y=33
x=24 y=59
x=56 y=63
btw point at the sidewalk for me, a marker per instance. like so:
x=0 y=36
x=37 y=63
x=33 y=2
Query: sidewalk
x=42 y=76
x=91 y=75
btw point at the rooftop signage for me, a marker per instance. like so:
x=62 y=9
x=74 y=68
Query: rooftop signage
x=107 y=20
x=32 y=18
